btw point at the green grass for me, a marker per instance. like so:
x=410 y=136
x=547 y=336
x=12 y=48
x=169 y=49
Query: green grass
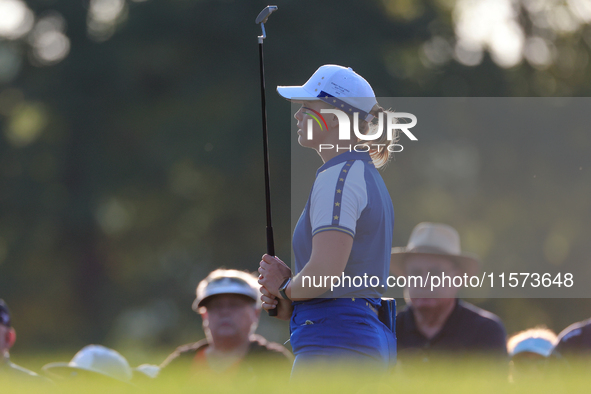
x=443 y=376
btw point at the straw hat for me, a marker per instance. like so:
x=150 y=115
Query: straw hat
x=433 y=239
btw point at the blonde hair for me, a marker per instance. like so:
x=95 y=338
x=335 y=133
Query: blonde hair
x=380 y=155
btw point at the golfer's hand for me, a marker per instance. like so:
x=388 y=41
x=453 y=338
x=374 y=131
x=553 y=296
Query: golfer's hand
x=284 y=307
x=273 y=272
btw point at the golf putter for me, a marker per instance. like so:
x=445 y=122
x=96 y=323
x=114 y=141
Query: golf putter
x=262 y=19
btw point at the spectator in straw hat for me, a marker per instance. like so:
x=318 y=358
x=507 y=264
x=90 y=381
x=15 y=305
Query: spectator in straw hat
x=228 y=302
x=437 y=321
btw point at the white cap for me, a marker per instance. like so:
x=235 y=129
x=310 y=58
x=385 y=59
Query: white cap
x=336 y=85
x=541 y=346
x=94 y=359
x=227 y=281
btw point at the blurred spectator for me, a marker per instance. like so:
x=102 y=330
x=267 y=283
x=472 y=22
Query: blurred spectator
x=228 y=302
x=437 y=321
x=143 y=371
x=575 y=340
x=96 y=362
x=529 y=352
x=7 y=340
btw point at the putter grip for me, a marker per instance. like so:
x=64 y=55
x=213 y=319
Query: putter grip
x=271 y=252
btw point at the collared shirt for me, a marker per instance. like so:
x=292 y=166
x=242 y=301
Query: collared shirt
x=349 y=195
x=467 y=329
x=575 y=340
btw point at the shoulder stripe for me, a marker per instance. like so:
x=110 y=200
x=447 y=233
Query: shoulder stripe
x=338 y=194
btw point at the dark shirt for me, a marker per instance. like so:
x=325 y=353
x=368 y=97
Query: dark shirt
x=467 y=329
x=191 y=357
x=575 y=340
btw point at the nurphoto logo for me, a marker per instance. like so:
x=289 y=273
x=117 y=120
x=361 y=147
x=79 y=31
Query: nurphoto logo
x=391 y=124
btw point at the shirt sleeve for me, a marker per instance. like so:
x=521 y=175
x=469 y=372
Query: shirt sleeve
x=339 y=195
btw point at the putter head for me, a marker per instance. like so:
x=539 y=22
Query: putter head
x=264 y=14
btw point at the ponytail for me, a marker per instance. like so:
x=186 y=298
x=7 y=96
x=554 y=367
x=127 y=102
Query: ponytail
x=378 y=149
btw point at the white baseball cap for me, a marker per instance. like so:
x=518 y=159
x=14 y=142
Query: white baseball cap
x=227 y=281
x=541 y=346
x=336 y=85
x=94 y=359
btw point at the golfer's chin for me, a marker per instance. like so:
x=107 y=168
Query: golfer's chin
x=303 y=141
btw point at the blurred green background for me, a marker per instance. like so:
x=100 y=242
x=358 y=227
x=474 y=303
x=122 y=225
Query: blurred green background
x=130 y=148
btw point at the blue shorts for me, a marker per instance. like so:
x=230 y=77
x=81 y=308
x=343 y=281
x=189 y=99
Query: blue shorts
x=341 y=329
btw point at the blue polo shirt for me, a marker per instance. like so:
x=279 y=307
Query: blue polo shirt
x=349 y=195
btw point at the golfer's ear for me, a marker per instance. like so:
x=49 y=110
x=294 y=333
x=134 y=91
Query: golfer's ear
x=332 y=121
x=10 y=337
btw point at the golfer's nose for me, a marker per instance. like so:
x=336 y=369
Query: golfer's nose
x=298 y=115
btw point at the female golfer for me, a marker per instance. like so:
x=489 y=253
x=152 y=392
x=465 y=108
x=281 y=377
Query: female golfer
x=345 y=230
